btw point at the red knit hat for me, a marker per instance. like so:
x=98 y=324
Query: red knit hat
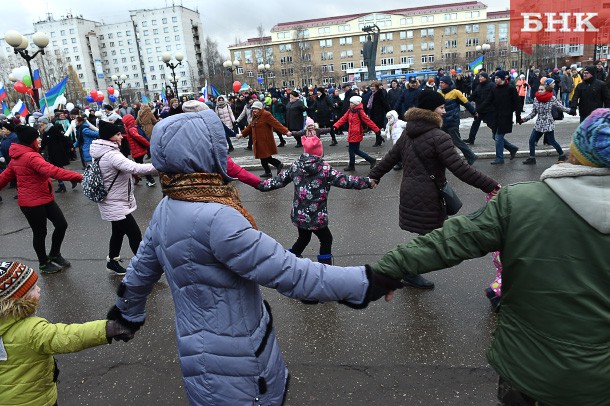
x=16 y=280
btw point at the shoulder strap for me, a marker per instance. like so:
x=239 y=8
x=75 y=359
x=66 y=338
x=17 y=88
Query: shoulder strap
x=115 y=176
x=423 y=162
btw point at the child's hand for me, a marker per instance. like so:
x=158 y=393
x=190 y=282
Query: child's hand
x=373 y=183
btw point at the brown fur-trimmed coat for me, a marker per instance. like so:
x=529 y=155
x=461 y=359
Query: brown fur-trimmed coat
x=421 y=210
x=261 y=131
x=146 y=119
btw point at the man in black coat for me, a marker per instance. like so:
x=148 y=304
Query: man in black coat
x=294 y=115
x=481 y=94
x=408 y=98
x=590 y=94
x=394 y=95
x=534 y=82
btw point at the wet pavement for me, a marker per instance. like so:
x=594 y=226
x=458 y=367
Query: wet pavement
x=424 y=347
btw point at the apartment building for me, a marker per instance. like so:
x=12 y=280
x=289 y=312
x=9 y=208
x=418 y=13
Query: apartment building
x=328 y=50
x=133 y=48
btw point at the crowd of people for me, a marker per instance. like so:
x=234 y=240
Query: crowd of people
x=208 y=245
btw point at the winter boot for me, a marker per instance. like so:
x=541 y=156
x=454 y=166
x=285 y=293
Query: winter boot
x=113 y=265
x=349 y=169
x=530 y=161
x=373 y=161
x=326 y=259
x=61 y=188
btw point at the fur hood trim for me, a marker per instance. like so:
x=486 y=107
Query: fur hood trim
x=17 y=308
x=417 y=114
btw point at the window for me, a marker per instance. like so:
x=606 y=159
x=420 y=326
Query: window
x=326 y=43
x=386 y=37
x=145 y=32
x=123 y=60
x=303 y=33
x=451 y=30
x=122 y=51
x=240 y=70
x=150 y=59
x=119 y=34
x=132 y=58
x=472 y=14
x=427 y=58
x=387 y=49
x=149 y=50
x=62 y=32
x=451 y=43
x=347 y=65
x=472 y=42
x=155 y=31
x=129 y=42
x=406 y=59
x=174 y=19
x=117 y=69
x=283 y=35
x=324 y=30
x=162 y=76
x=154 y=22
x=144 y=23
x=157 y=40
x=250 y=74
x=328 y=68
x=362 y=39
x=176 y=28
x=387 y=61
x=165 y=30
x=424 y=46
x=74 y=49
x=406 y=21
x=450 y=16
x=177 y=38
x=152 y=68
x=503 y=32
x=326 y=56
x=71 y=30
x=128 y=33
x=427 y=19
x=248 y=56
x=110 y=36
x=53 y=35
x=345 y=41
x=168 y=47
x=112 y=44
x=285 y=47
x=68 y=59
x=427 y=32
x=120 y=43
x=347 y=54
x=471 y=28
x=64 y=41
x=158 y=49
x=343 y=28
x=153 y=77
x=491 y=33
x=164 y=21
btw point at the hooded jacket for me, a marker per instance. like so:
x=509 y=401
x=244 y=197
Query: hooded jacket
x=421 y=209
x=147 y=120
x=356 y=118
x=261 y=131
x=312 y=178
x=555 y=312
x=33 y=173
x=138 y=145
x=503 y=101
x=5 y=145
x=453 y=100
x=214 y=262
x=225 y=113
x=57 y=145
x=120 y=200
x=84 y=137
x=394 y=127
x=27 y=375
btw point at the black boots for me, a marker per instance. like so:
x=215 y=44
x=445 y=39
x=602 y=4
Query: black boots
x=61 y=188
x=59 y=260
x=113 y=265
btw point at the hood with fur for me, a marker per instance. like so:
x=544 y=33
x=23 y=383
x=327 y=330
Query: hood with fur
x=421 y=120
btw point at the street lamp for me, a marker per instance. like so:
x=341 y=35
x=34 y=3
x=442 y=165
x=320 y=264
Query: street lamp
x=264 y=68
x=20 y=43
x=482 y=49
x=231 y=67
x=166 y=57
x=119 y=81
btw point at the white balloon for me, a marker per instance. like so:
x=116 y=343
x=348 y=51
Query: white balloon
x=20 y=72
x=12 y=78
x=69 y=106
x=61 y=100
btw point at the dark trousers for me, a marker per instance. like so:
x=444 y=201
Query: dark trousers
x=476 y=123
x=270 y=160
x=509 y=396
x=280 y=136
x=323 y=234
x=454 y=132
x=353 y=150
x=140 y=160
x=120 y=228
x=37 y=219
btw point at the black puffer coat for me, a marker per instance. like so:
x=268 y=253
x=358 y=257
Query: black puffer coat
x=502 y=101
x=421 y=210
x=57 y=145
x=590 y=95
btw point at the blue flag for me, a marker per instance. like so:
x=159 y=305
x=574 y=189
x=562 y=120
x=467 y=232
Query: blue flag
x=53 y=94
x=476 y=65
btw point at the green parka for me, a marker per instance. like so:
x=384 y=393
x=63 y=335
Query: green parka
x=552 y=341
x=27 y=375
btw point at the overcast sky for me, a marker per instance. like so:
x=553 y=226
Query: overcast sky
x=224 y=21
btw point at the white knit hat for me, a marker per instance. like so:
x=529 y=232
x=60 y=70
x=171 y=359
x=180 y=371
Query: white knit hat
x=257 y=105
x=356 y=100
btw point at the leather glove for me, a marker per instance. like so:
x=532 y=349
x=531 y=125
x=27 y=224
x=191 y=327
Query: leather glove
x=379 y=286
x=117 y=332
x=114 y=314
x=573 y=111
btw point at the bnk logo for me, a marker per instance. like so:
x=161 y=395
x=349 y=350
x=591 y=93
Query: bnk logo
x=569 y=22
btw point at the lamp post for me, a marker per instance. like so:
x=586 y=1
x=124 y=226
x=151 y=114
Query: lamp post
x=264 y=68
x=482 y=49
x=231 y=67
x=119 y=81
x=20 y=43
x=166 y=57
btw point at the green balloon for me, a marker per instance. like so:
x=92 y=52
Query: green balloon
x=27 y=80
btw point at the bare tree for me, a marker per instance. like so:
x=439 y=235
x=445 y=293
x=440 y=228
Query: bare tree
x=213 y=68
x=74 y=87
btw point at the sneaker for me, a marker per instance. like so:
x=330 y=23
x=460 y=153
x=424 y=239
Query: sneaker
x=151 y=183
x=59 y=260
x=50 y=268
x=279 y=168
x=113 y=265
x=418 y=281
x=282 y=144
x=373 y=162
x=266 y=175
x=349 y=169
x=530 y=161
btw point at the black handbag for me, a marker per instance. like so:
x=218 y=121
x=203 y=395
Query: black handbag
x=450 y=199
x=556 y=113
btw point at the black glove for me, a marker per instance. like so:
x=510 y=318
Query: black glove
x=118 y=332
x=115 y=314
x=573 y=111
x=379 y=286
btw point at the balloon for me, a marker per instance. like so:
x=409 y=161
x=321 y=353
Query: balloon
x=453 y=71
x=93 y=93
x=90 y=99
x=100 y=97
x=99 y=103
x=201 y=99
x=20 y=87
x=110 y=90
x=69 y=106
x=30 y=92
x=61 y=100
x=512 y=71
x=111 y=98
x=459 y=70
x=12 y=78
x=236 y=85
x=20 y=72
x=27 y=80
x=259 y=80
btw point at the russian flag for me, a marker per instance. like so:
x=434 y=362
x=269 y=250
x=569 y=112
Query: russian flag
x=204 y=91
x=3 y=94
x=36 y=79
x=20 y=108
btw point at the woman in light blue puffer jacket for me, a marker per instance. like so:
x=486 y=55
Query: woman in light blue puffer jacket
x=214 y=260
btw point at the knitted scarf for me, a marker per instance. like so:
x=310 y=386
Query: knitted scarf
x=544 y=97
x=203 y=187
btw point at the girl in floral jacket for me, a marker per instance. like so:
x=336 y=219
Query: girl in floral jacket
x=312 y=178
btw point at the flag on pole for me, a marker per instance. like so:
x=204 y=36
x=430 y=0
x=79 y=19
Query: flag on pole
x=244 y=87
x=54 y=93
x=3 y=94
x=214 y=91
x=5 y=110
x=20 y=108
x=145 y=99
x=476 y=65
x=204 y=92
x=163 y=96
x=36 y=79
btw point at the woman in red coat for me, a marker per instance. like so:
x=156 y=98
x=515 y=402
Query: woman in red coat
x=138 y=145
x=35 y=196
x=261 y=130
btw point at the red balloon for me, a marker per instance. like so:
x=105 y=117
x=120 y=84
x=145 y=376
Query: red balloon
x=236 y=86
x=110 y=90
x=93 y=93
x=99 y=97
x=20 y=87
x=30 y=92
x=453 y=71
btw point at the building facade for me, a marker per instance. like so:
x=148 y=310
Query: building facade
x=328 y=50
x=133 y=48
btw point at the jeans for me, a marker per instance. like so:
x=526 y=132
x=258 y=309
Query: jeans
x=454 y=132
x=550 y=136
x=501 y=144
x=37 y=219
x=120 y=228
x=353 y=150
x=565 y=98
x=323 y=234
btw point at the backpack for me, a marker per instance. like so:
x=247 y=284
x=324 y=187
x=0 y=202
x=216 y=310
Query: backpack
x=556 y=113
x=93 y=182
x=142 y=132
